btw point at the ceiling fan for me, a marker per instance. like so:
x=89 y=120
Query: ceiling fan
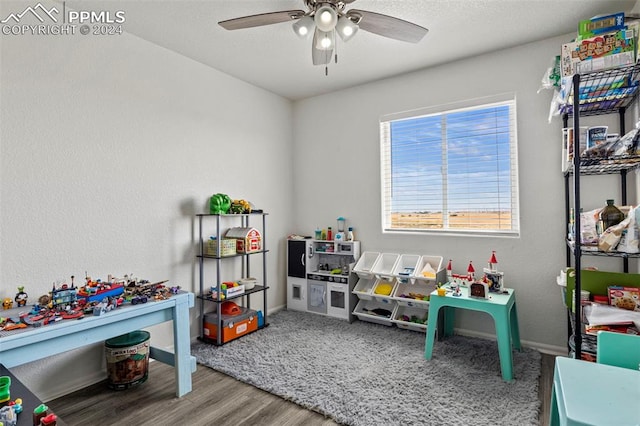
x=325 y=19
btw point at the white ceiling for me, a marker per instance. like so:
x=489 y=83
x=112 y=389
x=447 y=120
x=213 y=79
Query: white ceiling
x=274 y=58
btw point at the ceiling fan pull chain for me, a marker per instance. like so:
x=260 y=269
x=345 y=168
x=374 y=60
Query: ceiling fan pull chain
x=326 y=70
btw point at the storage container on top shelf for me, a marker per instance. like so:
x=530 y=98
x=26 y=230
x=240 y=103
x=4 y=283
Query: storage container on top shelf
x=383 y=289
x=410 y=318
x=364 y=288
x=383 y=268
x=429 y=268
x=374 y=311
x=365 y=264
x=406 y=267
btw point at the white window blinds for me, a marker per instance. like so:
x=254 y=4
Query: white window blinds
x=451 y=169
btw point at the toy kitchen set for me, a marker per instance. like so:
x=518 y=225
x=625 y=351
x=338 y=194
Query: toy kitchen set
x=320 y=276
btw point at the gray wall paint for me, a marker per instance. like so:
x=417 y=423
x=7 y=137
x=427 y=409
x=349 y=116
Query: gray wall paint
x=109 y=146
x=337 y=169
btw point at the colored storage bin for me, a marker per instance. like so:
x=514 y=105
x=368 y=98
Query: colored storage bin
x=127 y=359
x=233 y=326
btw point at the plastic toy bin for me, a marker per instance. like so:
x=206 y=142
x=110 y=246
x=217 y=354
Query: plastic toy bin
x=404 y=313
x=413 y=294
x=363 y=288
x=127 y=359
x=384 y=266
x=365 y=264
x=372 y=311
x=435 y=262
x=406 y=267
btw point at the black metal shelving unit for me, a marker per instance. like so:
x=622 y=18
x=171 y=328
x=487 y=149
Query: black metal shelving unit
x=603 y=92
x=219 y=259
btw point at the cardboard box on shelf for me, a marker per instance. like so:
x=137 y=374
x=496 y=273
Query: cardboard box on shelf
x=567 y=145
x=625 y=297
x=601 y=24
x=603 y=51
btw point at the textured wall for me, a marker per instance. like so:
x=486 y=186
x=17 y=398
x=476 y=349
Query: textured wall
x=109 y=146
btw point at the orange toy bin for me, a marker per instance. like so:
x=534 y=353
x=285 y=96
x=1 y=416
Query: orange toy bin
x=233 y=326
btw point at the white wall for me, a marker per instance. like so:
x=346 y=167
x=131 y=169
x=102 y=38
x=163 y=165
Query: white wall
x=337 y=169
x=109 y=146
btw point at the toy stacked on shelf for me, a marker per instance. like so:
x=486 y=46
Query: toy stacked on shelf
x=589 y=92
x=602 y=43
x=604 y=46
x=238 y=283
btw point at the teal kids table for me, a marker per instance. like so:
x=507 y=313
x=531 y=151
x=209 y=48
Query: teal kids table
x=586 y=393
x=502 y=307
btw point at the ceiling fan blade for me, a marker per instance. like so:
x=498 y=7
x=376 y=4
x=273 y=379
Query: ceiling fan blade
x=388 y=26
x=261 y=19
x=319 y=56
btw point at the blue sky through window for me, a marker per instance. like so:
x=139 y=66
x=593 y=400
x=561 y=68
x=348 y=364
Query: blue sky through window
x=458 y=161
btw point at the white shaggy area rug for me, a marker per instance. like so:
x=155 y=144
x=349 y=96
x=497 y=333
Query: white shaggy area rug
x=369 y=374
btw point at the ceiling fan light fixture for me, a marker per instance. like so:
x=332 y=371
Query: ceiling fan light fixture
x=304 y=26
x=325 y=40
x=326 y=18
x=346 y=28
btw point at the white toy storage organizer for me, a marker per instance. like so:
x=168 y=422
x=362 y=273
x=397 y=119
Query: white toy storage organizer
x=409 y=275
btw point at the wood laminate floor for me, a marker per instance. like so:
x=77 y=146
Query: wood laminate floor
x=216 y=399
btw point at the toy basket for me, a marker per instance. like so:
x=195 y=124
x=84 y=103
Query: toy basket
x=364 y=288
x=385 y=265
x=365 y=264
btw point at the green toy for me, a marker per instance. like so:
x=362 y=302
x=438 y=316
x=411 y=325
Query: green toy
x=5 y=384
x=219 y=204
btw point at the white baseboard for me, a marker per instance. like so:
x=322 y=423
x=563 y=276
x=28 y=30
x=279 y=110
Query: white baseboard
x=58 y=389
x=540 y=347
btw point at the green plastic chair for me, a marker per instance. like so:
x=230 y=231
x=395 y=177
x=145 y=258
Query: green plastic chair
x=618 y=349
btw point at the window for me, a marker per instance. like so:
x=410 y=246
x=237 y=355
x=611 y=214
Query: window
x=451 y=169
